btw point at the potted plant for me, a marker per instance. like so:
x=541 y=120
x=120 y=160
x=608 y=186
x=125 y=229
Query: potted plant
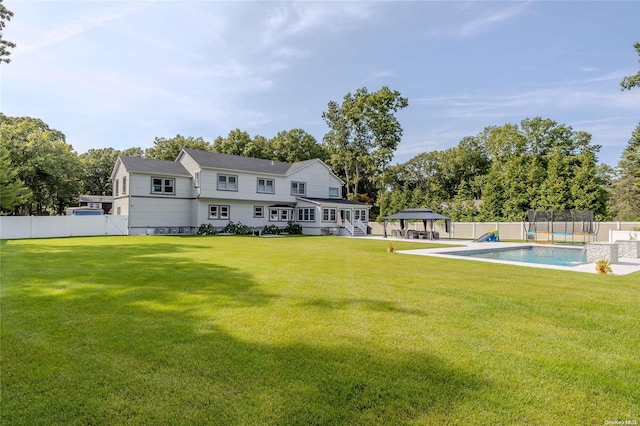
x=603 y=266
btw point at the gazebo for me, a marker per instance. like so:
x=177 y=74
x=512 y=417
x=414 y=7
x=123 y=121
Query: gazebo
x=424 y=214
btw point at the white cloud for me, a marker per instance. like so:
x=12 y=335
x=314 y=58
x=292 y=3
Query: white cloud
x=80 y=24
x=478 y=23
x=488 y=20
x=291 y=19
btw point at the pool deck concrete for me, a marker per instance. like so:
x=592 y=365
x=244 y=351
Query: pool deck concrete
x=624 y=266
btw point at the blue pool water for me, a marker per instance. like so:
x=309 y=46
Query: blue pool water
x=558 y=256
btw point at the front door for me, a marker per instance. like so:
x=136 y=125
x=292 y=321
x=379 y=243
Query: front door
x=345 y=215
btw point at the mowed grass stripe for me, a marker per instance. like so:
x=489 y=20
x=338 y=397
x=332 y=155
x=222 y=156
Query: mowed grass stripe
x=306 y=330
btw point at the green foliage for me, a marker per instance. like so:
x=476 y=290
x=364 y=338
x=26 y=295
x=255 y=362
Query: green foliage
x=505 y=170
x=236 y=229
x=288 y=146
x=98 y=165
x=293 y=228
x=295 y=145
x=169 y=148
x=632 y=80
x=46 y=164
x=239 y=142
x=5 y=45
x=13 y=192
x=271 y=230
x=363 y=136
x=625 y=197
x=207 y=229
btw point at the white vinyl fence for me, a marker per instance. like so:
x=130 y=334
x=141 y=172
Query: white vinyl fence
x=508 y=230
x=14 y=227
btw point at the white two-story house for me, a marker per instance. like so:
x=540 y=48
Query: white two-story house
x=202 y=187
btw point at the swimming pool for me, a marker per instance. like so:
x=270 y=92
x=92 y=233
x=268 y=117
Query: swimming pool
x=558 y=256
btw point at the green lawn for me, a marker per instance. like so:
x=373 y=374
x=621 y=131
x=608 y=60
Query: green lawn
x=306 y=330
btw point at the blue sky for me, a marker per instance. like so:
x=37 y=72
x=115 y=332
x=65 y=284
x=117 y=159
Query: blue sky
x=118 y=74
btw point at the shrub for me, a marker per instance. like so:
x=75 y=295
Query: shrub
x=292 y=228
x=207 y=229
x=270 y=230
x=236 y=228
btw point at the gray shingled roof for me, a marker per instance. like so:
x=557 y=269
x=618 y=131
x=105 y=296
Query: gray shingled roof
x=332 y=201
x=95 y=198
x=216 y=160
x=151 y=166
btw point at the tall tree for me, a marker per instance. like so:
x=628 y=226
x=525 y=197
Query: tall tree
x=555 y=188
x=98 y=164
x=13 y=192
x=45 y=163
x=295 y=145
x=239 y=142
x=5 y=45
x=625 y=197
x=632 y=80
x=169 y=148
x=363 y=136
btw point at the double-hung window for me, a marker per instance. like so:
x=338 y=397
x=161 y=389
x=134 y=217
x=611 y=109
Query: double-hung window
x=161 y=185
x=196 y=180
x=328 y=215
x=282 y=214
x=117 y=187
x=227 y=182
x=361 y=214
x=124 y=185
x=266 y=186
x=258 y=211
x=298 y=188
x=334 y=192
x=219 y=212
x=306 y=214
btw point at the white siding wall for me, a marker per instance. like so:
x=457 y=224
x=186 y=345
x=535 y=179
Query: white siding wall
x=240 y=211
x=247 y=187
x=120 y=201
x=318 y=179
x=148 y=210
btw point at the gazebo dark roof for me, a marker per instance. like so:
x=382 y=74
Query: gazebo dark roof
x=417 y=214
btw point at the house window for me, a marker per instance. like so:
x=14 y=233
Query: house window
x=280 y=214
x=328 y=215
x=360 y=214
x=298 y=188
x=266 y=186
x=124 y=185
x=334 y=192
x=117 y=187
x=218 y=212
x=306 y=214
x=258 y=211
x=227 y=182
x=162 y=185
x=196 y=180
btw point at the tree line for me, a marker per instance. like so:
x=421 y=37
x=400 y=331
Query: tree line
x=495 y=175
